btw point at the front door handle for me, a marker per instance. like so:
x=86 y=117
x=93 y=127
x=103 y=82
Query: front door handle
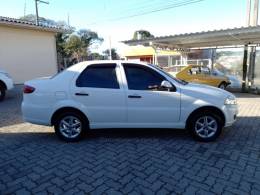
x=134 y=96
x=81 y=94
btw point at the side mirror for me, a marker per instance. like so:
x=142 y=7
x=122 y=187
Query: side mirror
x=166 y=85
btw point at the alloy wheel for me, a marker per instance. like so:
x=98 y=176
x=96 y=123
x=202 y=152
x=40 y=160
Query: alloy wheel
x=206 y=126
x=70 y=127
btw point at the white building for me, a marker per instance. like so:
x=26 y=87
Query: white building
x=27 y=51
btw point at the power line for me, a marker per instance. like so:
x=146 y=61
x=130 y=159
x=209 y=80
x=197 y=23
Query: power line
x=152 y=5
x=170 y=6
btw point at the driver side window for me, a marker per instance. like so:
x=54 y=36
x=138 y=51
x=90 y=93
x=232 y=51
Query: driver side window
x=142 y=78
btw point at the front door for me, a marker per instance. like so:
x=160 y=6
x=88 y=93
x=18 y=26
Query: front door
x=98 y=88
x=147 y=104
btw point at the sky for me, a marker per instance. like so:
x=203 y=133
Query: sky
x=113 y=18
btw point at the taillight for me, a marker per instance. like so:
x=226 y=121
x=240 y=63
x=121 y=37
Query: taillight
x=28 y=89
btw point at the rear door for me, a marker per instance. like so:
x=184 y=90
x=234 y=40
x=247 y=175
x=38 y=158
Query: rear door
x=147 y=105
x=196 y=76
x=209 y=79
x=99 y=89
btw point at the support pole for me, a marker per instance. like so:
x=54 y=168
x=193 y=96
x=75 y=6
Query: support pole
x=244 y=68
x=251 y=66
x=253 y=21
x=37 y=14
x=255 y=13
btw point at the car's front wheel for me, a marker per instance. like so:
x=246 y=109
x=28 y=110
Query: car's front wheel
x=206 y=126
x=70 y=126
x=223 y=85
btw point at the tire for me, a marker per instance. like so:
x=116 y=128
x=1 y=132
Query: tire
x=222 y=85
x=203 y=131
x=70 y=126
x=2 y=93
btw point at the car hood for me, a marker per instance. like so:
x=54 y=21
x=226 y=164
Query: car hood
x=205 y=92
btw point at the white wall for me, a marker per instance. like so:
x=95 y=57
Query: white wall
x=27 y=54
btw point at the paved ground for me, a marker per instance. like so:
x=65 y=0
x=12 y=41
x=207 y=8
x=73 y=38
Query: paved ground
x=33 y=160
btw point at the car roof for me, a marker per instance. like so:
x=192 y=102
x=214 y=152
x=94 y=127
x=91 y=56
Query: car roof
x=78 y=66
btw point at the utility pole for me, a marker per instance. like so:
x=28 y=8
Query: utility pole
x=36 y=9
x=68 y=22
x=24 y=10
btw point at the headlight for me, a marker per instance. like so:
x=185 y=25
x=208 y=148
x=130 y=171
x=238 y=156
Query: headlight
x=230 y=100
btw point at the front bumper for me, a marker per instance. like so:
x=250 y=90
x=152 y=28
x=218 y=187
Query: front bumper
x=231 y=112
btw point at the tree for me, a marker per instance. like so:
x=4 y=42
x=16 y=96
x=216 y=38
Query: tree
x=78 y=44
x=114 y=54
x=89 y=37
x=142 y=34
x=96 y=56
x=61 y=39
x=46 y=21
x=75 y=48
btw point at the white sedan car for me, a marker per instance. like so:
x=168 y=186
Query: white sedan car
x=6 y=83
x=124 y=94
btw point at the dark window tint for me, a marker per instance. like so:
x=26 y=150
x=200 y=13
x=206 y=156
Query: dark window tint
x=98 y=76
x=142 y=78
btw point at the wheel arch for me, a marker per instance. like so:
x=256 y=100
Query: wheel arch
x=223 y=82
x=3 y=84
x=206 y=108
x=67 y=109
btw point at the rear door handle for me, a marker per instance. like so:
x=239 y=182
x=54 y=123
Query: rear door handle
x=134 y=96
x=81 y=94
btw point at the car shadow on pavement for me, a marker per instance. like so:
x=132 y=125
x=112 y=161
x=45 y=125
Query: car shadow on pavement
x=243 y=129
x=101 y=134
x=137 y=133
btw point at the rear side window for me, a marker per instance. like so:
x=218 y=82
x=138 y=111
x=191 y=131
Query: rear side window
x=99 y=76
x=142 y=78
x=194 y=71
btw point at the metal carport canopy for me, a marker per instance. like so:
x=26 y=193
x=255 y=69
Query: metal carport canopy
x=208 y=39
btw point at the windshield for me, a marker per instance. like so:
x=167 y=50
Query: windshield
x=169 y=75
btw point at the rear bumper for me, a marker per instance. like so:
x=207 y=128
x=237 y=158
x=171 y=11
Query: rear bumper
x=36 y=114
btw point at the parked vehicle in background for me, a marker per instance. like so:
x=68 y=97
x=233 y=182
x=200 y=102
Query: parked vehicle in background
x=124 y=94
x=202 y=75
x=235 y=83
x=6 y=83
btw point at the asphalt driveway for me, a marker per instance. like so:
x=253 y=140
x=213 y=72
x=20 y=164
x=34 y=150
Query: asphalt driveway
x=34 y=161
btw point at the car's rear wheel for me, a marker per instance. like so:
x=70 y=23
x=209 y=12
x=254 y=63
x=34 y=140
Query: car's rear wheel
x=206 y=126
x=222 y=85
x=2 y=93
x=70 y=126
